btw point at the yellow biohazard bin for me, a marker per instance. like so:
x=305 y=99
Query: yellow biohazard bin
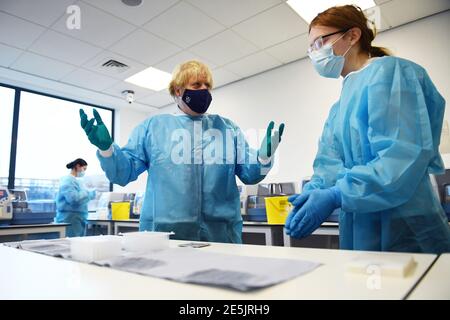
x=120 y=210
x=277 y=209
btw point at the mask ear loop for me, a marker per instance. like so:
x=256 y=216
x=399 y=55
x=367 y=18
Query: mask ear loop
x=350 y=44
x=347 y=50
x=340 y=39
x=178 y=101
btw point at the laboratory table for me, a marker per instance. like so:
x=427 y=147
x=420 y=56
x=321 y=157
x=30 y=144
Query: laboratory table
x=436 y=283
x=56 y=278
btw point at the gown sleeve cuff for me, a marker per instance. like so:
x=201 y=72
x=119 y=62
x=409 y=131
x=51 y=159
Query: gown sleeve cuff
x=106 y=153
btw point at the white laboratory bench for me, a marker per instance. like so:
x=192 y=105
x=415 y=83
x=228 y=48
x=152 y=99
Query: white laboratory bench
x=273 y=233
x=56 y=278
x=436 y=283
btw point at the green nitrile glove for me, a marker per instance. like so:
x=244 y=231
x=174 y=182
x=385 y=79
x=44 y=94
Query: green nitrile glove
x=98 y=134
x=270 y=143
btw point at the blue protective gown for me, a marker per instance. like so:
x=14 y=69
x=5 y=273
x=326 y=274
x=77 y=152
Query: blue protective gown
x=72 y=205
x=379 y=145
x=191 y=185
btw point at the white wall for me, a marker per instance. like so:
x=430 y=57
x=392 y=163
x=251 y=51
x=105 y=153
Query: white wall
x=296 y=95
x=126 y=121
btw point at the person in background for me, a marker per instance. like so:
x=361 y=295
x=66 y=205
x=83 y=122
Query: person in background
x=186 y=192
x=378 y=147
x=72 y=199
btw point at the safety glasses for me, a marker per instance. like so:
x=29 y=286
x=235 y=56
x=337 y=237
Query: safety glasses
x=319 y=42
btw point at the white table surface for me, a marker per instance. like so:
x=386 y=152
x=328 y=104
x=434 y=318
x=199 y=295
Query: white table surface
x=27 y=275
x=436 y=283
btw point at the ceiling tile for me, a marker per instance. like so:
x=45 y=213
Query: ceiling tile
x=378 y=2
x=272 y=26
x=58 y=46
x=8 y=55
x=89 y=80
x=134 y=15
x=95 y=65
x=43 y=12
x=145 y=47
x=222 y=76
x=159 y=99
x=117 y=89
x=195 y=25
x=42 y=66
x=97 y=27
x=224 y=48
x=290 y=50
x=231 y=12
x=24 y=32
x=253 y=64
x=395 y=13
x=169 y=64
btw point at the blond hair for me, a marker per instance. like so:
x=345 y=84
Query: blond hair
x=187 y=70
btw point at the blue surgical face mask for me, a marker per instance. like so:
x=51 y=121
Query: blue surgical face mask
x=81 y=174
x=326 y=63
x=197 y=100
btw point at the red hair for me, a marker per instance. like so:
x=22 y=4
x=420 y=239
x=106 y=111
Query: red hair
x=348 y=17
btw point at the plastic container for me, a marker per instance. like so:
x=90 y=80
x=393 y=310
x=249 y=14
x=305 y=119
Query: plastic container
x=120 y=210
x=145 y=241
x=89 y=249
x=277 y=209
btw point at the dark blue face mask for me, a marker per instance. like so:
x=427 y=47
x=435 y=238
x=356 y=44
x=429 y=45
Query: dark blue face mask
x=197 y=100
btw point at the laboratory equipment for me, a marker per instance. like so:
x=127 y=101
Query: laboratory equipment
x=6 y=209
x=89 y=249
x=120 y=210
x=194 y=245
x=103 y=211
x=137 y=205
x=256 y=204
x=443 y=190
x=277 y=209
x=256 y=209
x=276 y=189
x=27 y=211
x=145 y=241
x=242 y=199
x=20 y=203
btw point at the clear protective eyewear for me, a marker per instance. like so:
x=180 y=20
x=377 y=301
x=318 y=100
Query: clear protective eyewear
x=318 y=43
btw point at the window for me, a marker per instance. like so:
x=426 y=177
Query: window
x=49 y=137
x=6 y=122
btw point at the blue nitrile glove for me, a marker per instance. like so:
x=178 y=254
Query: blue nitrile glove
x=312 y=209
x=297 y=200
x=98 y=134
x=270 y=143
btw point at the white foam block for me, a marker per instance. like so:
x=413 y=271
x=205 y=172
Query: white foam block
x=387 y=264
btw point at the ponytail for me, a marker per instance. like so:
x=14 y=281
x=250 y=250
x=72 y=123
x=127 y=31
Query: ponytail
x=75 y=162
x=379 y=51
